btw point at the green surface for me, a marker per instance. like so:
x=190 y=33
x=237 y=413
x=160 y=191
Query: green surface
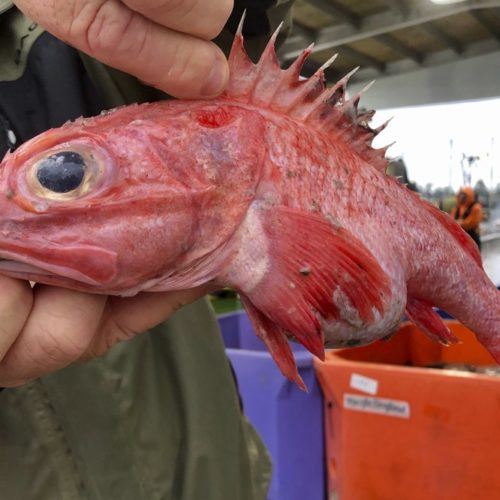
x=225 y=305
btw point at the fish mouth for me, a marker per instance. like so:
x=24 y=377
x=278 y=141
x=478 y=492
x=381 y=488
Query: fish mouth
x=34 y=274
x=16 y=269
x=59 y=265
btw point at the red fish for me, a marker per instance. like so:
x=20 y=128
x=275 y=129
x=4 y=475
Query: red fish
x=272 y=189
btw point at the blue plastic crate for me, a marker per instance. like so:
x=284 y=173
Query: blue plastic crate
x=289 y=420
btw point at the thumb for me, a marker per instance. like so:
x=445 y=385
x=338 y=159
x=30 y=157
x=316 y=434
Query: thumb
x=177 y=63
x=125 y=317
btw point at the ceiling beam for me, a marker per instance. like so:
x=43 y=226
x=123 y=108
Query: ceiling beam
x=435 y=59
x=362 y=58
x=337 y=11
x=399 y=6
x=401 y=48
x=306 y=32
x=485 y=21
x=451 y=42
x=378 y=24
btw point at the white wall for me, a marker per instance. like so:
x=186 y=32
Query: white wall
x=474 y=78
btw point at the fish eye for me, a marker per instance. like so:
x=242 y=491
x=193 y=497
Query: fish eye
x=61 y=172
x=66 y=172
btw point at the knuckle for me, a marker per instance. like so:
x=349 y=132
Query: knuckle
x=189 y=65
x=53 y=350
x=113 y=333
x=16 y=301
x=202 y=18
x=17 y=298
x=119 y=332
x=176 y=5
x=159 y=5
x=180 y=66
x=107 y=29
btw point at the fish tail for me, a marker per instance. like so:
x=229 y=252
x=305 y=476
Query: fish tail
x=474 y=301
x=481 y=314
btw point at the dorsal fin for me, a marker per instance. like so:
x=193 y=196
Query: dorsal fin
x=266 y=85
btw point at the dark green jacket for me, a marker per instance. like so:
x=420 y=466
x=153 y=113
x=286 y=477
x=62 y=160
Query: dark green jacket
x=157 y=417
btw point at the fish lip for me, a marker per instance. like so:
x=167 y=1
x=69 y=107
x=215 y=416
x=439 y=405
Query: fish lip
x=88 y=265
x=18 y=269
x=28 y=272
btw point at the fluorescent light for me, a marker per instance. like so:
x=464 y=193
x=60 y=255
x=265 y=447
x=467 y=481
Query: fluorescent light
x=444 y=2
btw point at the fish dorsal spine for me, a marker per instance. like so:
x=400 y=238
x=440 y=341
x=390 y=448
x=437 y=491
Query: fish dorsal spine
x=309 y=100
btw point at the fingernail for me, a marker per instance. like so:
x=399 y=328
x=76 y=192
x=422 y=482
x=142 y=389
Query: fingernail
x=217 y=78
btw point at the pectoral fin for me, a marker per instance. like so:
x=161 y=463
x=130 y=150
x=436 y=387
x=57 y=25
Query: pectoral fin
x=276 y=341
x=305 y=270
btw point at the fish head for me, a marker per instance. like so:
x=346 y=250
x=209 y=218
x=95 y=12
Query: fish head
x=115 y=202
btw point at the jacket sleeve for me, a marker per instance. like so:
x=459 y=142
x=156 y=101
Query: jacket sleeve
x=474 y=218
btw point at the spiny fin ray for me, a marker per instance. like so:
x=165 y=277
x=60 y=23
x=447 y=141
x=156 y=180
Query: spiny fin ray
x=266 y=85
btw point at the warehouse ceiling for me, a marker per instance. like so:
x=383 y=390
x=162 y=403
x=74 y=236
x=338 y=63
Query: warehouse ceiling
x=389 y=37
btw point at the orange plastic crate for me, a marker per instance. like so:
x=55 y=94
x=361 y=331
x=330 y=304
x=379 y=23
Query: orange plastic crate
x=400 y=431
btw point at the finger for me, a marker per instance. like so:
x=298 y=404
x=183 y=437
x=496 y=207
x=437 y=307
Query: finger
x=16 y=299
x=126 y=317
x=201 y=18
x=59 y=329
x=179 y=64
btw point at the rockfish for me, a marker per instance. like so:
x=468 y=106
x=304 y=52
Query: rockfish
x=272 y=189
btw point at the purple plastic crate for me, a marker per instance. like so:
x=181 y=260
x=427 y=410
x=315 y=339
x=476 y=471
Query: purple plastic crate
x=289 y=420
x=238 y=333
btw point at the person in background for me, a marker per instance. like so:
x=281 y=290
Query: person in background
x=158 y=416
x=468 y=213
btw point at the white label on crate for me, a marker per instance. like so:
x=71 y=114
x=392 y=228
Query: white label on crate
x=364 y=384
x=390 y=407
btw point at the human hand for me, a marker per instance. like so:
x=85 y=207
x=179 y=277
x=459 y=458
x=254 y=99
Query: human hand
x=46 y=328
x=161 y=42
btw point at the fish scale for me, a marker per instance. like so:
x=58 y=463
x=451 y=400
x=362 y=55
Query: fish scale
x=273 y=189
